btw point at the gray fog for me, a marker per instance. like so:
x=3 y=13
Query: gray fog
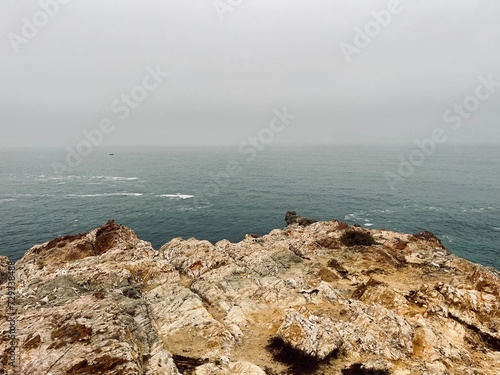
x=203 y=72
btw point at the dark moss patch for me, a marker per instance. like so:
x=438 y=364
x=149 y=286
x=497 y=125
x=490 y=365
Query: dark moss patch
x=187 y=365
x=374 y=270
x=77 y=367
x=270 y=371
x=32 y=343
x=491 y=342
x=131 y=292
x=69 y=334
x=5 y=359
x=4 y=272
x=100 y=366
x=357 y=238
x=298 y=362
x=360 y=369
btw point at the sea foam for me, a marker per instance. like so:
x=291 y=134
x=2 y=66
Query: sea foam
x=103 y=195
x=174 y=196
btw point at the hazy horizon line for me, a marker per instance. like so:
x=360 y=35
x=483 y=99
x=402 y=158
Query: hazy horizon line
x=304 y=144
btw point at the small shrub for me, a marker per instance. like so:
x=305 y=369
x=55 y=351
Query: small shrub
x=187 y=365
x=360 y=369
x=298 y=362
x=357 y=238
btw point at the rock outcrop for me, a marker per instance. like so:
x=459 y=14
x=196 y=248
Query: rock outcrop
x=295 y=301
x=291 y=217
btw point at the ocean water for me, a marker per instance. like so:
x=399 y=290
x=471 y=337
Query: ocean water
x=216 y=193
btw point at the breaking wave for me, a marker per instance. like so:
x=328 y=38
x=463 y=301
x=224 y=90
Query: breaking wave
x=176 y=196
x=103 y=195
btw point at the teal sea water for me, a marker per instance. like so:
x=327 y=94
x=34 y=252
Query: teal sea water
x=216 y=193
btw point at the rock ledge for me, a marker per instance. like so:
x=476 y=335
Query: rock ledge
x=295 y=301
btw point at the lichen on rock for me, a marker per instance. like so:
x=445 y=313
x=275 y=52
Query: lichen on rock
x=296 y=300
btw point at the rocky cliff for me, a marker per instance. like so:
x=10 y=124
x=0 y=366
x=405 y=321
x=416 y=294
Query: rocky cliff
x=295 y=301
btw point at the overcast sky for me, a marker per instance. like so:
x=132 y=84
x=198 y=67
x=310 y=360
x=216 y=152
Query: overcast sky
x=230 y=65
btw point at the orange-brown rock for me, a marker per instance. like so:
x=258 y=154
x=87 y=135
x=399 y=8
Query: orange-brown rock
x=294 y=301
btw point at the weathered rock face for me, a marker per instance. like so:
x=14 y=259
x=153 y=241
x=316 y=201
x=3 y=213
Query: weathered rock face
x=293 y=301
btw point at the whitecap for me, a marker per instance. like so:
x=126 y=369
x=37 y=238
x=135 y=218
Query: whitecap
x=432 y=208
x=123 y=178
x=115 y=178
x=103 y=195
x=69 y=177
x=358 y=216
x=196 y=208
x=353 y=216
x=7 y=200
x=476 y=210
x=496 y=228
x=368 y=224
x=447 y=238
x=174 y=196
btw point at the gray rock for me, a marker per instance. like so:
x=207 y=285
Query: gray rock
x=291 y=217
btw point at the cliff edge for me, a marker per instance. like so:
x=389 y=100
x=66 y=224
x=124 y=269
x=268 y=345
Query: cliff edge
x=295 y=301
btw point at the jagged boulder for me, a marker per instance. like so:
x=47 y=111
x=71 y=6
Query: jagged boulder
x=311 y=335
